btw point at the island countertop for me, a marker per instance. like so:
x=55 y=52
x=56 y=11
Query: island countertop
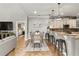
x=74 y=34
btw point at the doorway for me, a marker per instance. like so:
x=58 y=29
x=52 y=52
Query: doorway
x=21 y=30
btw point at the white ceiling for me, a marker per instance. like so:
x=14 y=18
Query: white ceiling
x=27 y=9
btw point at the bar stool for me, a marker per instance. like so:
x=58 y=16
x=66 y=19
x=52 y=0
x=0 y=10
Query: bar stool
x=56 y=39
x=61 y=46
x=47 y=36
x=57 y=45
x=52 y=38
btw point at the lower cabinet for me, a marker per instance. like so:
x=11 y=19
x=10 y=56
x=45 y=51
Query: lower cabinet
x=72 y=46
x=77 y=47
x=70 y=41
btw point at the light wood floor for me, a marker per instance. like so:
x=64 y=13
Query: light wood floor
x=21 y=44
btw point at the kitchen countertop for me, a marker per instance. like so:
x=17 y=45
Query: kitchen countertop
x=74 y=34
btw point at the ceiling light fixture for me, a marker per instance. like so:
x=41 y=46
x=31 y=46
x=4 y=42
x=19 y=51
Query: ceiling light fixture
x=35 y=12
x=58 y=16
x=52 y=15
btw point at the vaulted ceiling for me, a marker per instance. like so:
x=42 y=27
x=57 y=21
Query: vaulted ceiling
x=43 y=9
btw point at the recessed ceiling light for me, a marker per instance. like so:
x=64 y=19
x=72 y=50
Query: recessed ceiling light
x=35 y=12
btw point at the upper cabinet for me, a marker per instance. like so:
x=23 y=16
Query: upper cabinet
x=77 y=23
x=72 y=23
x=56 y=24
x=60 y=23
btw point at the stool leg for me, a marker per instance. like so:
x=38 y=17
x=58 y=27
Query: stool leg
x=54 y=40
x=39 y=45
x=65 y=48
x=33 y=46
x=59 y=47
x=57 y=44
x=48 y=38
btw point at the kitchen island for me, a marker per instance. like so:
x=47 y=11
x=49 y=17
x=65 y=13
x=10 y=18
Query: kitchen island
x=72 y=41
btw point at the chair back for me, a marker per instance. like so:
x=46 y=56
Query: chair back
x=36 y=36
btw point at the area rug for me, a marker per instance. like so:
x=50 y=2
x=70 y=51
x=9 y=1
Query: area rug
x=30 y=47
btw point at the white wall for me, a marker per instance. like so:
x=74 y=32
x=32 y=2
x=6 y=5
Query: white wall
x=37 y=23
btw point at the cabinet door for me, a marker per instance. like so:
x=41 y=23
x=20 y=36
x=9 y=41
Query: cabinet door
x=72 y=23
x=76 y=47
x=77 y=23
x=57 y=24
x=65 y=21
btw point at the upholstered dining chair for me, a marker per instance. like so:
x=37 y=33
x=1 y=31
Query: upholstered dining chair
x=36 y=38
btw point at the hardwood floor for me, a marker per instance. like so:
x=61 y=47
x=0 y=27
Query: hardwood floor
x=21 y=44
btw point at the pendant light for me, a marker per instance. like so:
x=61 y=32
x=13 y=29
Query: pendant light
x=58 y=14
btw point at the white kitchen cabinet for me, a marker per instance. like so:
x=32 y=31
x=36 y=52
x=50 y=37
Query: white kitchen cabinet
x=77 y=23
x=60 y=23
x=72 y=23
x=72 y=45
x=77 y=47
x=70 y=41
x=57 y=24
